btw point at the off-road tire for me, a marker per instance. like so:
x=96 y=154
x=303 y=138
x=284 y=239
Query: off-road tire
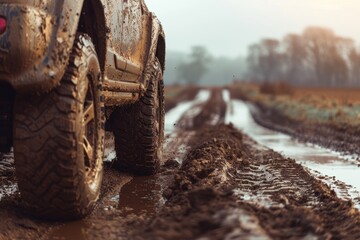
x=58 y=174
x=139 y=129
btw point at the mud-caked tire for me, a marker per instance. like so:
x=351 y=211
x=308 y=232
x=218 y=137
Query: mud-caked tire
x=139 y=129
x=59 y=139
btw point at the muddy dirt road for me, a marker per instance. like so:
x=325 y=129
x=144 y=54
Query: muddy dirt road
x=216 y=183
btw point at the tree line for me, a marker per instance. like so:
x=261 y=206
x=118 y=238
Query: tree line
x=317 y=57
x=200 y=67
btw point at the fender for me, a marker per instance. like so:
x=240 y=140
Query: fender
x=157 y=33
x=35 y=49
x=125 y=92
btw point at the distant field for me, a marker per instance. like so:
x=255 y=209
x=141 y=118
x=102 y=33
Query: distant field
x=340 y=94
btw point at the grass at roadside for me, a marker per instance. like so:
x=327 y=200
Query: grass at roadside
x=339 y=107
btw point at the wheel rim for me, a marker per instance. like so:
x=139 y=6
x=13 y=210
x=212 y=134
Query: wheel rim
x=89 y=134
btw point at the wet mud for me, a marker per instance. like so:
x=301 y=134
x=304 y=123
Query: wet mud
x=230 y=188
x=178 y=94
x=335 y=169
x=216 y=183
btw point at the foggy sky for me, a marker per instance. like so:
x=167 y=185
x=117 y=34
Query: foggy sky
x=228 y=27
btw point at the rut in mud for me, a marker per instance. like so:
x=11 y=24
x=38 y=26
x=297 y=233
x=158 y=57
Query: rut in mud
x=216 y=183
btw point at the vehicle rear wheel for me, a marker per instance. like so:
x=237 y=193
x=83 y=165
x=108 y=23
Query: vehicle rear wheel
x=59 y=139
x=139 y=129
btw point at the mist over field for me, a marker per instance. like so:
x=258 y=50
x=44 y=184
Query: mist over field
x=317 y=56
x=226 y=29
x=220 y=70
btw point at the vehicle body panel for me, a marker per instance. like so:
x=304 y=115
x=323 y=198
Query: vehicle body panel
x=127 y=48
x=35 y=47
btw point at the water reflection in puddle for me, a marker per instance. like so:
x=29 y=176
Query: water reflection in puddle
x=72 y=231
x=340 y=172
x=140 y=195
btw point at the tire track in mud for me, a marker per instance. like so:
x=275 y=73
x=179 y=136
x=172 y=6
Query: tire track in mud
x=337 y=171
x=231 y=188
x=292 y=202
x=202 y=113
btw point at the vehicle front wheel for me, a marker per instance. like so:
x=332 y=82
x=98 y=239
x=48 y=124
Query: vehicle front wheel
x=59 y=139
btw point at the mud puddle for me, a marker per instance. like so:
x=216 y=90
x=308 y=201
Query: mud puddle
x=339 y=171
x=72 y=231
x=124 y=197
x=141 y=196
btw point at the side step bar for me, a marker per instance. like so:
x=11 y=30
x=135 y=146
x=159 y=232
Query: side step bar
x=120 y=93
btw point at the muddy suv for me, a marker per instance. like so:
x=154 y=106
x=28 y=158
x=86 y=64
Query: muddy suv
x=69 y=70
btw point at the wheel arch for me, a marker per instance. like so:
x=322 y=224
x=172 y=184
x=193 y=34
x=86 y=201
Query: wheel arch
x=161 y=51
x=157 y=48
x=93 y=22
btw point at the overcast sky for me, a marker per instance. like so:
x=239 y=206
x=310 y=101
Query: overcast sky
x=228 y=27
